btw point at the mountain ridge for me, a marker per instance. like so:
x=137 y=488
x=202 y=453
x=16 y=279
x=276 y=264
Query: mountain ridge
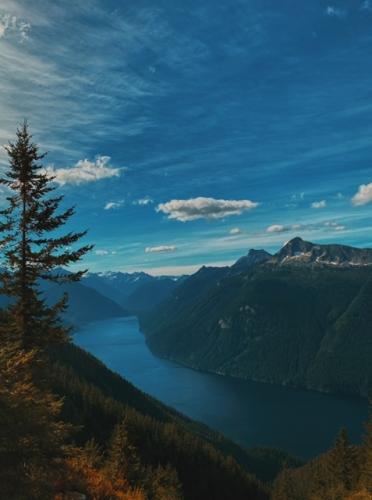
x=291 y=319
x=298 y=250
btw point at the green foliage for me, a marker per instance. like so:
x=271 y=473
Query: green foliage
x=32 y=437
x=305 y=326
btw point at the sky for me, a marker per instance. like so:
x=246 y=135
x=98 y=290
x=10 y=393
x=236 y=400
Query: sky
x=188 y=132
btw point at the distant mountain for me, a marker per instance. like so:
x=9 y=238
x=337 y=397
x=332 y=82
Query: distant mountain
x=85 y=304
x=134 y=292
x=301 y=317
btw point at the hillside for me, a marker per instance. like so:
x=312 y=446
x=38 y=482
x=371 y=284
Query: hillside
x=84 y=303
x=299 y=318
x=95 y=399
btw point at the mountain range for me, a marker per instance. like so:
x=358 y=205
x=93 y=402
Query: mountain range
x=135 y=292
x=301 y=317
x=99 y=296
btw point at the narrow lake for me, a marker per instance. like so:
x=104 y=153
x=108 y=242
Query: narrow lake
x=301 y=422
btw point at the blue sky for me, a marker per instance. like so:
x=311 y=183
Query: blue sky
x=187 y=132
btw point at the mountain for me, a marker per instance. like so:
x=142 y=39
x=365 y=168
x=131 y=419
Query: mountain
x=298 y=251
x=84 y=305
x=150 y=294
x=301 y=317
x=135 y=292
x=253 y=257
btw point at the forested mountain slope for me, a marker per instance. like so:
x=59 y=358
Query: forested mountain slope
x=301 y=317
x=95 y=399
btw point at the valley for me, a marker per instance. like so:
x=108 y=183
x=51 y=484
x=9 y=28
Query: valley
x=305 y=422
x=299 y=318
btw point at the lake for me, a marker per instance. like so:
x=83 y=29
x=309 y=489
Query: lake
x=303 y=423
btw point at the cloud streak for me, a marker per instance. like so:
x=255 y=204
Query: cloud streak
x=204 y=208
x=161 y=249
x=112 y=205
x=10 y=24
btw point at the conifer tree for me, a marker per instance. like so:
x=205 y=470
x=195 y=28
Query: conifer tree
x=366 y=472
x=123 y=459
x=31 y=249
x=342 y=463
x=32 y=436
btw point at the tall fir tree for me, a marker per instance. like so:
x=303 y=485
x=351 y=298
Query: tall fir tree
x=32 y=247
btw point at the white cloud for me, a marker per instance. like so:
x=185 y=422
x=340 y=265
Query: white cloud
x=335 y=226
x=363 y=195
x=84 y=171
x=319 y=204
x=204 y=208
x=161 y=249
x=101 y=252
x=335 y=11
x=144 y=201
x=112 y=205
x=276 y=228
x=235 y=230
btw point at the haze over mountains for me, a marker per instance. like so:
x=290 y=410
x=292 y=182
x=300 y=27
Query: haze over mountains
x=300 y=317
x=134 y=292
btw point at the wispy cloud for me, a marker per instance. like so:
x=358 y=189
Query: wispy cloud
x=84 y=171
x=161 y=249
x=204 y=208
x=112 y=205
x=333 y=11
x=147 y=200
x=319 y=204
x=235 y=231
x=363 y=195
x=101 y=253
x=366 y=5
x=276 y=228
x=12 y=25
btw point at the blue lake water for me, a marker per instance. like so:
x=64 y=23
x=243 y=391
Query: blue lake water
x=303 y=423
